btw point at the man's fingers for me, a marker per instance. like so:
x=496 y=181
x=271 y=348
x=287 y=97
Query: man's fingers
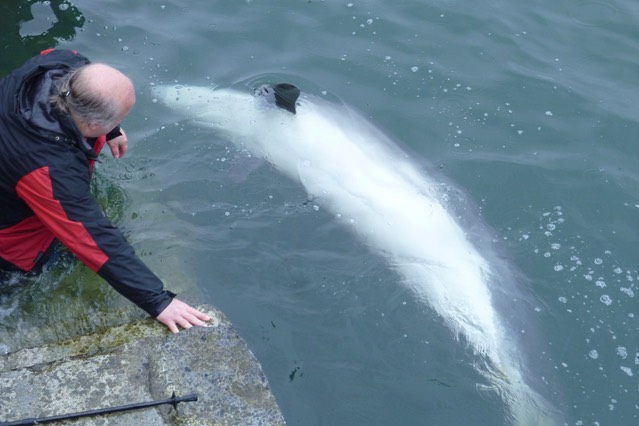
x=115 y=147
x=119 y=145
x=184 y=323
x=200 y=316
x=194 y=319
x=173 y=327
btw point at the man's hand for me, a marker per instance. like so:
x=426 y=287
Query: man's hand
x=178 y=313
x=119 y=145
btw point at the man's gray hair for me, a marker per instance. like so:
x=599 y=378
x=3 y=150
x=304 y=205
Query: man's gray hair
x=74 y=93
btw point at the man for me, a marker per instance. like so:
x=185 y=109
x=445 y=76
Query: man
x=57 y=111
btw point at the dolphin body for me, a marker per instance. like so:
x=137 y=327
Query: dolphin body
x=353 y=170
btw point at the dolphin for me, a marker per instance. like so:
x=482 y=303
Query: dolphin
x=357 y=173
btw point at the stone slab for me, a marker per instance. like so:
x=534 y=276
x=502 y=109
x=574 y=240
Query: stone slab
x=141 y=362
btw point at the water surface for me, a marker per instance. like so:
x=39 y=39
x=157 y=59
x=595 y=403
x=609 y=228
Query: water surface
x=524 y=110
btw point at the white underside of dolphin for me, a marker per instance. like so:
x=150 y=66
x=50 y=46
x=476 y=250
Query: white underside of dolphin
x=354 y=171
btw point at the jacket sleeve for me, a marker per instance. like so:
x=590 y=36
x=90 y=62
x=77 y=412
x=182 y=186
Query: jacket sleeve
x=60 y=197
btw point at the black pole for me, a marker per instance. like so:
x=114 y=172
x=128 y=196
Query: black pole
x=174 y=400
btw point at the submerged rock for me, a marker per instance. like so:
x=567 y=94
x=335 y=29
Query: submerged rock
x=141 y=362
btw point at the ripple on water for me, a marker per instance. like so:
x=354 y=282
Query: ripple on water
x=594 y=13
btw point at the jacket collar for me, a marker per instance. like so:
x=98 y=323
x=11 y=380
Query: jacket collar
x=36 y=111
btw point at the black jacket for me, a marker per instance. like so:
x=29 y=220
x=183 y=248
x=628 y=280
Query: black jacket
x=45 y=171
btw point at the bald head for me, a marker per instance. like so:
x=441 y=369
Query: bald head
x=109 y=84
x=97 y=96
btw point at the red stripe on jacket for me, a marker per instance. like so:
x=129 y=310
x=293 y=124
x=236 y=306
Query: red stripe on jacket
x=97 y=147
x=37 y=191
x=22 y=243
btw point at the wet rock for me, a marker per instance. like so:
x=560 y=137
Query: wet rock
x=141 y=362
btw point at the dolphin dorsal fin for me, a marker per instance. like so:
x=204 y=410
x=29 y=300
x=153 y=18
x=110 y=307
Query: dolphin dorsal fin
x=286 y=95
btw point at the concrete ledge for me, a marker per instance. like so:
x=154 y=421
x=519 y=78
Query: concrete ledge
x=141 y=362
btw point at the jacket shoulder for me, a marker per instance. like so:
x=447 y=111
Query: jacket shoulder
x=58 y=58
x=52 y=59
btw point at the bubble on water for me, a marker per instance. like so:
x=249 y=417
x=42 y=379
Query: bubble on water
x=227 y=213
x=558 y=268
x=627 y=291
x=622 y=352
x=555 y=246
x=626 y=370
x=606 y=300
x=562 y=299
x=593 y=354
x=549 y=113
x=414 y=69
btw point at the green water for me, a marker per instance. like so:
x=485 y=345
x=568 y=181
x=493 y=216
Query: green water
x=525 y=108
